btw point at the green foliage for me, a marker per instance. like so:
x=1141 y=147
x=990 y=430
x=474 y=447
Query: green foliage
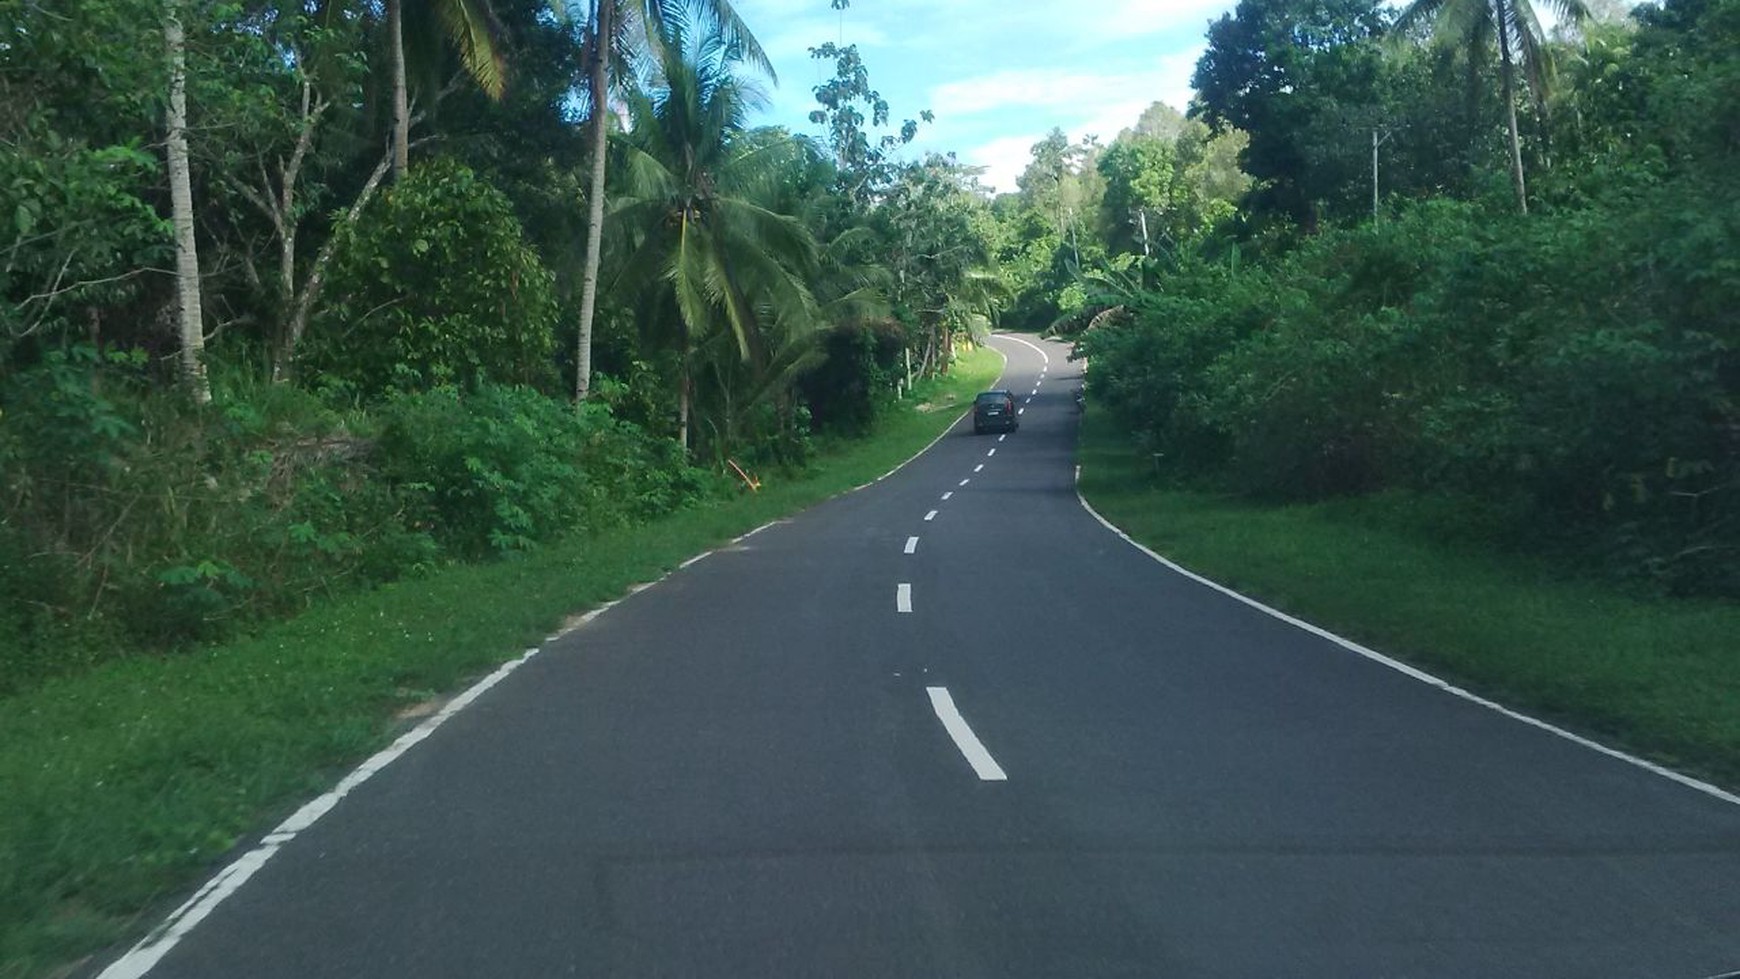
x=864 y=161
x=721 y=277
x=1574 y=374
x=505 y=468
x=1301 y=77
x=130 y=519
x=856 y=380
x=437 y=286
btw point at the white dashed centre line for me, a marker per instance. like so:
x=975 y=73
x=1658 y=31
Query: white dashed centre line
x=983 y=764
x=1002 y=436
x=903 y=597
x=979 y=467
x=931 y=515
x=991 y=453
x=966 y=481
x=1021 y=411
x=911 y=544
x=948 y=494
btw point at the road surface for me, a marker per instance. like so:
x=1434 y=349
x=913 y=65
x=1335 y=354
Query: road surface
x=949 y=725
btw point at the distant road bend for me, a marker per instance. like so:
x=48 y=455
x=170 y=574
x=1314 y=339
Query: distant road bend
x=950 y=725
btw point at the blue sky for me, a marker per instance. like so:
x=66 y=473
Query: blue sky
x=999 y=74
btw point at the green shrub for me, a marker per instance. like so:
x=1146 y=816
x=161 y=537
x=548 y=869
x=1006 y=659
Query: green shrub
x=503 y=468
x=1572 y=374
x=435 y=285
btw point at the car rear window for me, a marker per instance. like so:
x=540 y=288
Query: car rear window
x=993 y=397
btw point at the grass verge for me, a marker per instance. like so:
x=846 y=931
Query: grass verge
x=1660 y=678
x=122 y=786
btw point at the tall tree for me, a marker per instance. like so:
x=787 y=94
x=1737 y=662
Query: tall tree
x=1475 y=24
x=1291 y=73
x=704 y=247
x=616 y=31
x=864 y=161
x=188 y=303
x=471 y=27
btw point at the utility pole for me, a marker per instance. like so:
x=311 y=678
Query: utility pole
x=1377 y=141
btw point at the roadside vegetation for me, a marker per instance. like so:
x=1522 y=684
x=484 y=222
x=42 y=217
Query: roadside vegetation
x=370 y=371
x=1551 y=371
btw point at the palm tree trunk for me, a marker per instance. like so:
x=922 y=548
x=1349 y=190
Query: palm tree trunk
x=188 y=299
x=1507 y=71
x=401 y=97
x=600 y=69
x=683 y=406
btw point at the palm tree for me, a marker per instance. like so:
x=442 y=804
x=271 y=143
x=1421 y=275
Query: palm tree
x=1475 y=23
x=701 y=241
x=475 y=34
x=617 y=31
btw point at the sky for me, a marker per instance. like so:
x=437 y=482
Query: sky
x=998 y=74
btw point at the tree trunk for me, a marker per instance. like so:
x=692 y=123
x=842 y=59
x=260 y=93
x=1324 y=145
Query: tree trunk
x=683 y=407
x=401 y=97
x=1507 y=71
x=181 y=213
x=310 y=292
x=600 y=72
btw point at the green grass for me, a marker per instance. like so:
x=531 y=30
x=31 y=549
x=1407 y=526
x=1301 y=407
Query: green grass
x=1658 y=677
x=120 y=788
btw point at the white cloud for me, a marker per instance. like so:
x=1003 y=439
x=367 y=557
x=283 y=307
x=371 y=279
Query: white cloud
x=1080 y=103
x=1121 y=19
x=1166 y=79
x=1003 y=160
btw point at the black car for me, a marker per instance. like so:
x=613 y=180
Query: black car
x=994 y=411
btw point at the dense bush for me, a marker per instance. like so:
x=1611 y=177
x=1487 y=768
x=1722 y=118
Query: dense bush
x=131 y=519
x=1573 y=373
x=438 y=286
x=505 y=467
x=861 y=363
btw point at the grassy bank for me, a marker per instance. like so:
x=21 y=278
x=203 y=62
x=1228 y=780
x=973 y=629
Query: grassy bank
x=1660 y=678
x=122 y=786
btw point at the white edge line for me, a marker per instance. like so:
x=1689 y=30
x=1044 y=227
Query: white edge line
x=911 y=545
x=1043 y=356
x=142 y=957
x=983 y=764
x=740 y=538
x=903 y=597
x=1412 y=671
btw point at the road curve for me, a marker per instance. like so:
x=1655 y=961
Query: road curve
x=949 y=725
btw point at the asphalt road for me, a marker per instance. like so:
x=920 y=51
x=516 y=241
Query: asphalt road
x=949 y=725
